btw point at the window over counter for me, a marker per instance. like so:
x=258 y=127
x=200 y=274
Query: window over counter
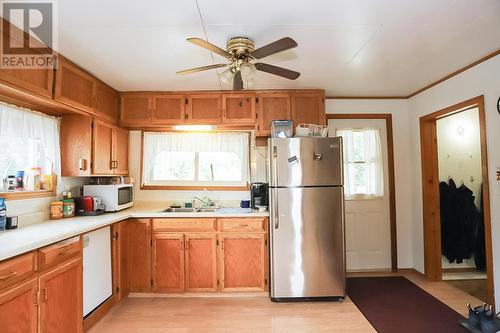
x=30 y=151
x=196 y=159
x=363 y=168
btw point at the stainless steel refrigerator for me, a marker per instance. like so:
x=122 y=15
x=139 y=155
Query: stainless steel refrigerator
x=307 y=242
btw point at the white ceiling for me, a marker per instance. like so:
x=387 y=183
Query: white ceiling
x=362 y=47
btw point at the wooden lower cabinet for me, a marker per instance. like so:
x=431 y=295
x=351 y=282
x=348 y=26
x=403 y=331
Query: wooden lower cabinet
x=18 y=308
x=139 y=255
x=242 y=262
x=201 y=262
x=61 y=304
x=168 y=262
x=119 y=245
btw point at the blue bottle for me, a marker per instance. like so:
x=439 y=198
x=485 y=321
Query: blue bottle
x=3 y=214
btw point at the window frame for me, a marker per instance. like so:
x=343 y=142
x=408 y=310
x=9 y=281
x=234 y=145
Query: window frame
x=19 y=195
x=181 y=187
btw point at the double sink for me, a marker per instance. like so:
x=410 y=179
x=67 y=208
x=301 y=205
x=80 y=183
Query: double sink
x=191 y=210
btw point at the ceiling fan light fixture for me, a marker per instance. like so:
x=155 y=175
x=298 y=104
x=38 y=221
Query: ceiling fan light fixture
x=226 y=76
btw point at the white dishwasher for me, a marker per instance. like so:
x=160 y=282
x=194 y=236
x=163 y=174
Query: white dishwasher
x=97 y=281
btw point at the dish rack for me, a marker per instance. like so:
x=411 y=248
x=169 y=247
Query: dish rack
x=311 y=130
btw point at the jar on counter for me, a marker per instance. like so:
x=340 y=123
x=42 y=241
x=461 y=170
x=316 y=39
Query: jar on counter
x=56 y=210
x=68 y=208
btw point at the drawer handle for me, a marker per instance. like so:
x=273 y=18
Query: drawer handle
x=64 y=252
x=5 y=277
x=244 y=225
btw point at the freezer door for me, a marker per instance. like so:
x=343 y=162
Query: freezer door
x=307 y=242
x=305 y=161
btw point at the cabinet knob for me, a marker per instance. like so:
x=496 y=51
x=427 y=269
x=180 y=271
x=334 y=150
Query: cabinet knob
x=82 y=164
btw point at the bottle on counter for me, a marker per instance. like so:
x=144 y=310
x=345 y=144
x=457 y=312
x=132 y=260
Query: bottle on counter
x=3 y=214
x=19 y=180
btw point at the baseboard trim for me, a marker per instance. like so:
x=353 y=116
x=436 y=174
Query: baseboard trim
x=232 y=294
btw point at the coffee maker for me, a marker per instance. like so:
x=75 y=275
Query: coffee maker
x=259 y=193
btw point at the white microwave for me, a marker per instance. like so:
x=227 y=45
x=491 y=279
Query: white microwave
x=115 y=197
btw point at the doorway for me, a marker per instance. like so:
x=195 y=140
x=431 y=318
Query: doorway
x=457 y=226
x=369 y=190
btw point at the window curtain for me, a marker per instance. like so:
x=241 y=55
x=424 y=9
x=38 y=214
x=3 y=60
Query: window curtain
x=17 y=122
x=157 y=142
x=372 y=162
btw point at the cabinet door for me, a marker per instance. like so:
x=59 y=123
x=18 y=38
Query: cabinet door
x=272 y=106
x=38 y=81
x=76 y=145
x=61 y=299
x=74 y=86
x=107 y=102
x=169 y=109
x=136 y=109
x=120 y=151
x=139 y=255
x=102 y=148
x=204 y=108
x=201 y=262
x=18 y=308
x=119 y=238
x=243 y=262
x=168 y=262
x=308 y=108
x=238 y=109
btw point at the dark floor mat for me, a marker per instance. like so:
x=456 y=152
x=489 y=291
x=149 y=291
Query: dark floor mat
x=395 y=305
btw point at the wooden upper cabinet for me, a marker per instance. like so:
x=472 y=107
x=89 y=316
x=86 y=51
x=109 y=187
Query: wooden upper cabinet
x=169 y=109
x=18 y=310
x=242 y=262
x=107 y=102
x=168 y=262
x=139 y=254
x=238 y=109
x=76 y=145
x=39 y=81
x=204 y=108
x=201 y=262
x=74 y=86
x=136 y=109
x=308 y=107
x=61 y=299
x=271 y=106
x=102 y=155
x=110 y=149
x=120 y=151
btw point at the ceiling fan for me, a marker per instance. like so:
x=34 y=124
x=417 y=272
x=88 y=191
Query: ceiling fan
x=241 y=54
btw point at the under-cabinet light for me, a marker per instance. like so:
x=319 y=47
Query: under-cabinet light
x=193 y=128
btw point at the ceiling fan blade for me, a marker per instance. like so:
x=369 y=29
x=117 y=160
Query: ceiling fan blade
x=280 y=71
x=209 y=46
x=237 y=81
x=199 y=69
x=275 y=47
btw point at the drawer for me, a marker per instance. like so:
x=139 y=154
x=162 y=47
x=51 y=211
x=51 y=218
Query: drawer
x=59 y=252
x=243 y=224
x=185 y=225
x=17 y=269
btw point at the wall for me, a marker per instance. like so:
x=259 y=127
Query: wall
x=258 y=169
x=483 y=79
x=459 y=158
x=402 y=163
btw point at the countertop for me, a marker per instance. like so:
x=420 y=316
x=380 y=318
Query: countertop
x=25 y=239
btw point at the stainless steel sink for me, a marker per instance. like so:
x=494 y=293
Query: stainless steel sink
x=190 y=210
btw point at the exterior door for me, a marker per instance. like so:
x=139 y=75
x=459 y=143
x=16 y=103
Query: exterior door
x=367 y=220
x=168 y=262
x=201 y=262
x=307 y=243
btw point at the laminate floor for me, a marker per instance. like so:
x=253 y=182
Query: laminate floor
x=235 y=315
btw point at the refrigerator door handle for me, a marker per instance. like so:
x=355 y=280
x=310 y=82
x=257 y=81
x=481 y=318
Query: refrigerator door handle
x=275 y=209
